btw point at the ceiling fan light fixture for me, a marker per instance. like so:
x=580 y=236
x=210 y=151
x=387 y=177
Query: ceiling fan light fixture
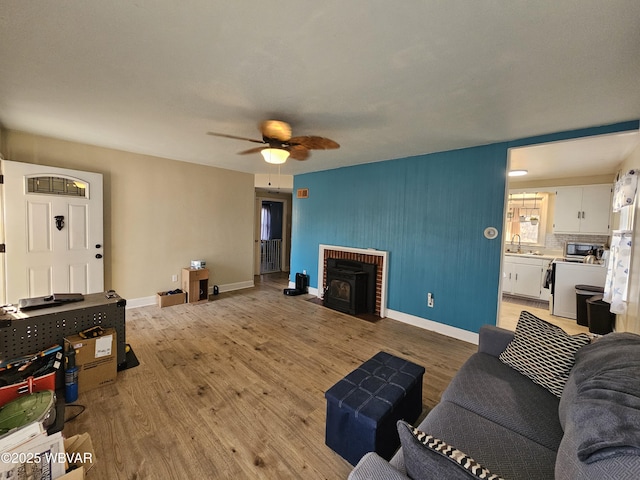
x=276 y=156
x=517 y=173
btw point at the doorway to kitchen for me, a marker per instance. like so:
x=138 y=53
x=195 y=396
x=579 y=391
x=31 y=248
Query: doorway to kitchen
x=570 y=165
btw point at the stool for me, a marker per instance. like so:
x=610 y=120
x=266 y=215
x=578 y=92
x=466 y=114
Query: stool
x=364 y=407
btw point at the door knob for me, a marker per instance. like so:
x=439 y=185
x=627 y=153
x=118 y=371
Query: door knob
x=98 y=255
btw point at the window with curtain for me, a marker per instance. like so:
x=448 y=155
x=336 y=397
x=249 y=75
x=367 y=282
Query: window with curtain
x=265 y=229
x=527 y=217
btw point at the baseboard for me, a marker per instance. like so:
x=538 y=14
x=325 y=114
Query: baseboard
x=147 y=301
x=142 y=302
x=437 y=327
x=229 y=287
x=420 y=322
x=310 y=290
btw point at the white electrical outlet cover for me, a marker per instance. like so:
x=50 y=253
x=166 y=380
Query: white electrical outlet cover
x=491 y=233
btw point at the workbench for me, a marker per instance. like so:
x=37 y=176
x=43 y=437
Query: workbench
x=24 y=332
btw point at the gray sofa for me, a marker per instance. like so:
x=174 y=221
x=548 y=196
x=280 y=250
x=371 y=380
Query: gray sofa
x=518 y=429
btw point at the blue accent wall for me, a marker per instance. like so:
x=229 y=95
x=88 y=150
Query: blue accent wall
x=429 y=212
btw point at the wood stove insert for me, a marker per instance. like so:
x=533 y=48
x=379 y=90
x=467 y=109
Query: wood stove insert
x=350 y=286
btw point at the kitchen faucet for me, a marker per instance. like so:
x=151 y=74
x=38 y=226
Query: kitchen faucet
x=519 y=240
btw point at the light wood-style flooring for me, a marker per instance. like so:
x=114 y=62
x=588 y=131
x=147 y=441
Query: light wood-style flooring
x=234 y=387
x=510 y=309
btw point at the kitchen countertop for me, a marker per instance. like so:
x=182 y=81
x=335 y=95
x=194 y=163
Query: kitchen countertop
x=565 y=262
x=542 y=256
x=557 y=257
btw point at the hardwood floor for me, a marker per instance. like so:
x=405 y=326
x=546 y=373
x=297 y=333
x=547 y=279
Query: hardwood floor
x=234 y=387
x=510 y=309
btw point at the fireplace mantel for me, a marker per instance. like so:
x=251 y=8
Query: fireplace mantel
x=382 y=260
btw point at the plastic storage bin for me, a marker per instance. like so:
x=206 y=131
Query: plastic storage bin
x=584 y=293
x=600 y=318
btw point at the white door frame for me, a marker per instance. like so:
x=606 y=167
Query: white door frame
x=257 y=228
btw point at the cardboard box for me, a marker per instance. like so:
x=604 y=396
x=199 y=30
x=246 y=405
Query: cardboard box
x=95 y=358
x=165 y=300
x=80 y=453
x=77 y=474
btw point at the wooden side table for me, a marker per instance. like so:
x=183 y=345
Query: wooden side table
x=195 y=281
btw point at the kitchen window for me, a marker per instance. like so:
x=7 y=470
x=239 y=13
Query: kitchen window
x=527 y=217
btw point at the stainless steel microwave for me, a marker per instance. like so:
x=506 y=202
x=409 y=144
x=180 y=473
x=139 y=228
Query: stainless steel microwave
x=577 y=251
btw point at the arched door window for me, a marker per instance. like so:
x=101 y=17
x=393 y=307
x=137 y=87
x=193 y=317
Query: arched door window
x=48 y=185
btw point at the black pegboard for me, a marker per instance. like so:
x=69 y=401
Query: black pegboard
x=26 y=332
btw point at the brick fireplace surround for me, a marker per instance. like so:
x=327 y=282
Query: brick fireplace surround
x=377 y=257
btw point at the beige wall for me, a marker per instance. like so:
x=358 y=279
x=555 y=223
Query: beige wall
x=630 y=322
x=159 y=214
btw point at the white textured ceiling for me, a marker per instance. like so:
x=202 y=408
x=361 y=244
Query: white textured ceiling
x=384 y=79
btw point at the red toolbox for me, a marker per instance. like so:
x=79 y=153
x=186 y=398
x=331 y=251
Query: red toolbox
x=30 y=385
x=30 y=373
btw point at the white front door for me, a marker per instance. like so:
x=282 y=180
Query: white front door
x=52 y=221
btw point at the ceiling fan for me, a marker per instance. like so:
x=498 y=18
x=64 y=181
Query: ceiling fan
x=280 y=145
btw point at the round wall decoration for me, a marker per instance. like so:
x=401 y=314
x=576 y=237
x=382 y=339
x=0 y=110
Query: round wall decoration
x=490 y=232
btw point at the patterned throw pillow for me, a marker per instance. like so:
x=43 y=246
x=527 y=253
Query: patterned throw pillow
x=456 y=464
x=543 y=352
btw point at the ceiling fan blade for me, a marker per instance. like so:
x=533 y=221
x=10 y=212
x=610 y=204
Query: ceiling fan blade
x=298 y=152
x=234 y=137
x=314 y=143
x=276 y=129
x=252 y=150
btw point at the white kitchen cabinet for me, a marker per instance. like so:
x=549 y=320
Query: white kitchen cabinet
x=583 y=210
x=523 y=276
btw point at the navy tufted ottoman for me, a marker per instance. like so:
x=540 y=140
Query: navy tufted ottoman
x=363 y=407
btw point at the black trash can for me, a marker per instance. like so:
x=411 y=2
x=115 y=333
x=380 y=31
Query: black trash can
x=302 y=285
x=600 y=318
x=584 y=293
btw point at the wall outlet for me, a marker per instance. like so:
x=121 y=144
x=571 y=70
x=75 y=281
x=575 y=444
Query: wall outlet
x=430 y=300
x=174 y=278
